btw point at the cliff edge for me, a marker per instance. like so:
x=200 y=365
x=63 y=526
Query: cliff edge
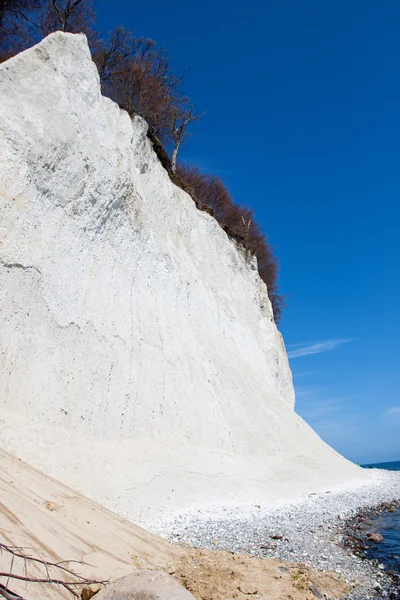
x=140 y=362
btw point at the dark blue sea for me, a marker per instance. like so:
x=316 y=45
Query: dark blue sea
x=389 y=466
x=388 y=551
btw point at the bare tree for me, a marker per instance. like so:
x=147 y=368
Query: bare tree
x=18 y=9
x=137 y=75
x=239 y=223
x=66 y=11
x=111 y=54
x=25 y=22
x=139 y=92
x=143 y=84
x=180 y=114
x=19 y=24
x=74 y=16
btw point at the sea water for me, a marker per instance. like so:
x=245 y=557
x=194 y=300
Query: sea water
x=387 y=551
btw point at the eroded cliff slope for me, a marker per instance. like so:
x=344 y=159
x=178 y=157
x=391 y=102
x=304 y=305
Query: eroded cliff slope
x=140 y=362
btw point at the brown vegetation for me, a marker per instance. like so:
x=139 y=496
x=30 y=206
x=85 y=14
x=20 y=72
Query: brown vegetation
x=25 y=22
x=238 y=221
x=17 y=24
x=74 y=16
x=136 y=74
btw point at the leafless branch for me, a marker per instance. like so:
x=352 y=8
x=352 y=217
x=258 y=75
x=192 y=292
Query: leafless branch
x=68 y=579
x=5 y=593
x=180 y=115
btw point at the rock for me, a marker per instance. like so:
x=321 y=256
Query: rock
x=142 y=301
x=247 y=589
x=268 y=547
x=375 y=537
x=276 y=536
x=89 y=591
x=317 y=593
x=145 y=585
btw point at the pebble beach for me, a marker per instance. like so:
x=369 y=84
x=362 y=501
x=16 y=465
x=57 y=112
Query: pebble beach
x=314 y=531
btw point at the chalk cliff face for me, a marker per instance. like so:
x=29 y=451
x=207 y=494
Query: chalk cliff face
x=134 y=333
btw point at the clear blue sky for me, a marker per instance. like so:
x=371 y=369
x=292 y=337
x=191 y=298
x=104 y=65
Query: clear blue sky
x=303 y=125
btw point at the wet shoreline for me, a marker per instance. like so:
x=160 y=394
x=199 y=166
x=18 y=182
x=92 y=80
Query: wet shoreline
x=362 y=534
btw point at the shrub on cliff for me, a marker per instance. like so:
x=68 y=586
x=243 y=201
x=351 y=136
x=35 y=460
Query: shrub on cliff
x=238 y=221
x=25 y=22
x=136 y=74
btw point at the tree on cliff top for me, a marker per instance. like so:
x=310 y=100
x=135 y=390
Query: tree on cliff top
x=110 y=54
x=18 y=24
x=136 y=74
x=180 y=115
x=26 y=22
x=73 y=16
x=238 y=221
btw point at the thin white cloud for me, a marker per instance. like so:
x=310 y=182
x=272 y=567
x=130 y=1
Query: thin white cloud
x=302 y=374
x=302 y=391
x=392 y=412
x=315 y=348
x=330 y=418
x=312 y=410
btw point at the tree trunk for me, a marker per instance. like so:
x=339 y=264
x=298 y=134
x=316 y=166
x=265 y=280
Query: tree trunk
x=174 y=156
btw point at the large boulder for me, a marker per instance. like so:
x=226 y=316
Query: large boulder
x=144 y=585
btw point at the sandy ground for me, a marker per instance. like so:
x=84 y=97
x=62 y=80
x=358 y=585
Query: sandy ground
x=216 y=575
x=143 y=480
x=55 y=523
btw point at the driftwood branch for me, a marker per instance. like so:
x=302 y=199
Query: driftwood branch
x=5 y=593
x=65 y=578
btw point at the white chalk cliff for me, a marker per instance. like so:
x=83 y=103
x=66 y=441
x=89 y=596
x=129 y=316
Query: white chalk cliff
x=140 y=362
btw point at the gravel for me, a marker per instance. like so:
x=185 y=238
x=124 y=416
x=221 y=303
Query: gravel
x=311 y=531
